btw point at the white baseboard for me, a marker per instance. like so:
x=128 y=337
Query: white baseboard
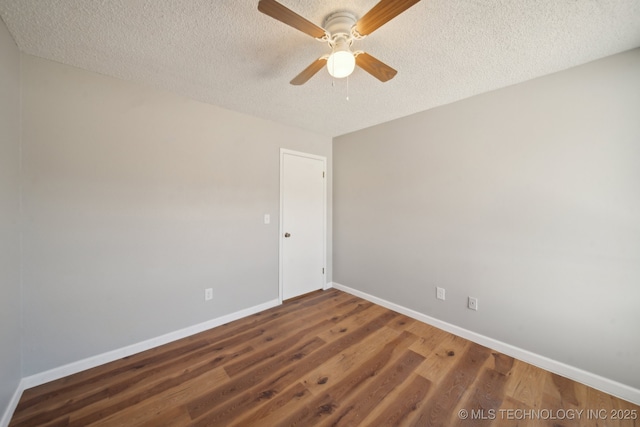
x=100 y=359
x=13 y=403
x=614 y=388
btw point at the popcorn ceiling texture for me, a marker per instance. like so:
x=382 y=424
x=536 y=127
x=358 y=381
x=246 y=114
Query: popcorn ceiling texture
x=226 y=53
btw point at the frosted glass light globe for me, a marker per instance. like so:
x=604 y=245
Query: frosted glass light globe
x=341 y=63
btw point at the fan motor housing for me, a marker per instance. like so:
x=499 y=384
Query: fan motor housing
x=339 y=25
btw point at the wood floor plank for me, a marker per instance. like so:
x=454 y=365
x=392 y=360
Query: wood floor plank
x=152 y=410
x=502 y=363
x=442 y=358
x=430 y=338
x=264 y=371
x=510 y=414
x=263 y=374
x=360 y=404
x=337 y=391
x=339 y=365
x=316 y=380
x=286 y=374
x=89 y=391
x=438 y=409
x=566 y=389
x=322 y=324
x=404 y=323
x=526 y=384
x=326 y=359
x=147 y=384
x=550 y=411
x=174 y=417
x=403 y=406
x=485 y=401
x=270 y=412
x=144 y=393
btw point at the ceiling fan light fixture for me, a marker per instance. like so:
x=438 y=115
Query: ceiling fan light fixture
x=340 y=30
x=341 y=62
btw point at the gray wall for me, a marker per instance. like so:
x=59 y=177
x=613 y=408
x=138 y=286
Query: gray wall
x=10 y=365
x=135 y=201
x=527 y=198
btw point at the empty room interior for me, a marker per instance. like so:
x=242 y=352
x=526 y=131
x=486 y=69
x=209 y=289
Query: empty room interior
x=192 y=199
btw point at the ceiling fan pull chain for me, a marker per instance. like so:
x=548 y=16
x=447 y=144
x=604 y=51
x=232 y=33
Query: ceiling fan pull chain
x=347 y=88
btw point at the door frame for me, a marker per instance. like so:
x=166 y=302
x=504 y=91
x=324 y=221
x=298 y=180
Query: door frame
x=283 y=152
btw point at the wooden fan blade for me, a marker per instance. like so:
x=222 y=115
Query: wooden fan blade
x=289 y=17
x=309 y=72
x=375 y=67
x=382 y=13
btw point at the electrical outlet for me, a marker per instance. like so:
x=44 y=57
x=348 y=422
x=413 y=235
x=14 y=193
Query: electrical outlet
x=208 y=294
x=440 y=293
x=473 y=303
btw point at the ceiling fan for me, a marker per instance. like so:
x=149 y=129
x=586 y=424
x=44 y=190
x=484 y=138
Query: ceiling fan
x=340 y=30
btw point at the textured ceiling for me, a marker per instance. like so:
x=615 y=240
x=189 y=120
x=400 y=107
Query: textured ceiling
x=226 y=53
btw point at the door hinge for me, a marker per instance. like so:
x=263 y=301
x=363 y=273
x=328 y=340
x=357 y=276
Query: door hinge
x=323 y=174
x=323 y=271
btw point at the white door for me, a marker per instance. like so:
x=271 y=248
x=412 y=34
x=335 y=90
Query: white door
x=302 y=223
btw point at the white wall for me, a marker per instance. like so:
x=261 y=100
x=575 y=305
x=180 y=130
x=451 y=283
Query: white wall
x=527 y=198
x=10 y=365
x=135 y=201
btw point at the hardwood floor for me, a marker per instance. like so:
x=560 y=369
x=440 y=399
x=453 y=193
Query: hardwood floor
x=327 y=359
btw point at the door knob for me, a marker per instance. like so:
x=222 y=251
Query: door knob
x=287 y=235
